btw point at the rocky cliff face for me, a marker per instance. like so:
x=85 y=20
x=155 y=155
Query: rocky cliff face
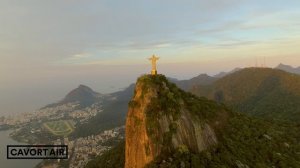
x=162 y=118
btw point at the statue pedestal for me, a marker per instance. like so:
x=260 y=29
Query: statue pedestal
x=153 y=72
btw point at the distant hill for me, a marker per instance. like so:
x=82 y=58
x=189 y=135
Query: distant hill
x=125 y=94
x=202 y=79
x=222 y=74
x=114 y=112
x=288 y=68
x=83 y=95
x=261 y=92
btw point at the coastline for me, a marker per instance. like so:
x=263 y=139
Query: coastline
x=6 y=139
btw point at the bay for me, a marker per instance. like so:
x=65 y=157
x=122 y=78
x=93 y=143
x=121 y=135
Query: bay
x=8 y=163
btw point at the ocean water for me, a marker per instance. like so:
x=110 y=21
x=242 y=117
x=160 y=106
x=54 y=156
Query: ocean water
x=6 y=163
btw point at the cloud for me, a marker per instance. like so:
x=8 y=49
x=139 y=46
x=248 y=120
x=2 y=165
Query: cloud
x=80 y=56
x=46 y=32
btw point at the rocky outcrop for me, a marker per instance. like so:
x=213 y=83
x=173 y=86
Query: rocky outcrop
x=159 y=120
x=138 y=153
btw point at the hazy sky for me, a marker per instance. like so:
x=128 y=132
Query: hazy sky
x=48 y=47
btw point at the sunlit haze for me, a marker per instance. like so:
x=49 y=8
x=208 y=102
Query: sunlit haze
x=48 y=48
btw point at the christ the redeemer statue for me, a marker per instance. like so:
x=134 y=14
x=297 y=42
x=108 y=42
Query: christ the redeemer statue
x=153 y=60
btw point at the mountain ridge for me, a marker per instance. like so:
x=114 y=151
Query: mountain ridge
x=202 y=79
x=223 y=74
x=114 y=112
x=262 y=92
x=288 y=68
x=83 y=95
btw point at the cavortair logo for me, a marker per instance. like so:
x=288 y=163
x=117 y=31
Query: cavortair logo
x=37 y=152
